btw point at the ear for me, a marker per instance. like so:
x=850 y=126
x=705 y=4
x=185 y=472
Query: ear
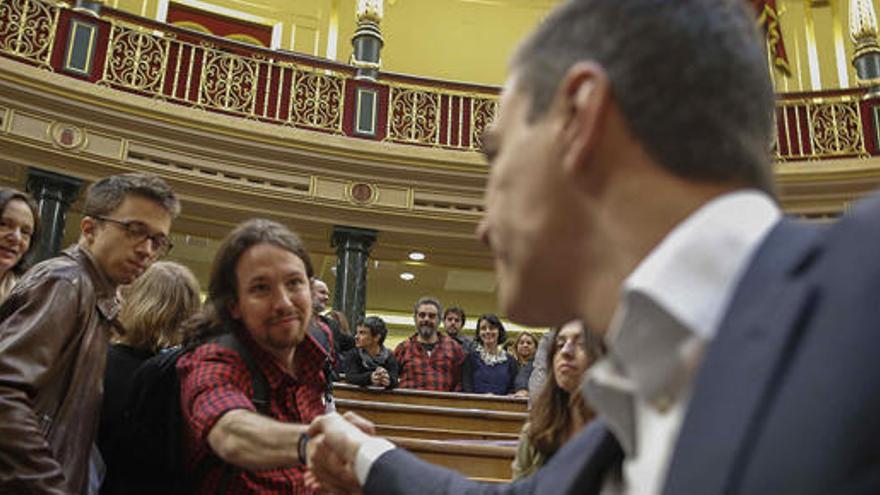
x=234 y=309
x=87 y=227
x=584 y=94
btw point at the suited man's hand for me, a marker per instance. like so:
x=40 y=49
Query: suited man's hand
x=332 y=451
x=328 y=473
x=343 y=435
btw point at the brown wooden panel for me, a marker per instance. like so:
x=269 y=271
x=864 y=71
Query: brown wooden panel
x=433 y=433
x=448 y=418
x=431 y=398
x=472 y=460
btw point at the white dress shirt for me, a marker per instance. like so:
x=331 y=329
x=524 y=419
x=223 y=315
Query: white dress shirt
x=671 y=306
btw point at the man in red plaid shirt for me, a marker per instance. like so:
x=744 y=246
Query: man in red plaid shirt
x=429 y=360
x=260 y=291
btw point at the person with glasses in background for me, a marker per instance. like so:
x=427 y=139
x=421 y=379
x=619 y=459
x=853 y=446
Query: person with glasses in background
x=19 y=220
x=55 y=328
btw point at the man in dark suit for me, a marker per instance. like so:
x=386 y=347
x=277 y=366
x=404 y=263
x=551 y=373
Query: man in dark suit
x=630 y=186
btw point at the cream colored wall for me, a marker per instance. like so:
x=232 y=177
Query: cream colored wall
x=816 y=34
x=465 y=40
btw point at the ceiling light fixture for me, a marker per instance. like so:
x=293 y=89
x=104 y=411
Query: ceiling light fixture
x=407 y=276
x=416 y=256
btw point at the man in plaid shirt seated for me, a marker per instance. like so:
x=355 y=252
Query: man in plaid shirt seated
x=429 y=360
x=259 y=291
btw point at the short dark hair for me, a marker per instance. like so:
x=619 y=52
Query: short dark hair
x=377 y=328
x=433 y=301
x=495 y=322
x=222 y=288
x=690 y=77
x=105 y=195
x=7 y=195
x=457 y=310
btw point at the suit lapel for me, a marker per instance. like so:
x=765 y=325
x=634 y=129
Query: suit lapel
x=743 y=363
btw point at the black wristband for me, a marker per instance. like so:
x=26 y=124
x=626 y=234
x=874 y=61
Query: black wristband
x=301 y=446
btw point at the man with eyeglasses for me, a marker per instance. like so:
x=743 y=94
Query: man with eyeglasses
x=54 y=331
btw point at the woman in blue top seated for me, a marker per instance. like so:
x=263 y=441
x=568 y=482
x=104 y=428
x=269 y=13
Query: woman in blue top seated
x=489 y=369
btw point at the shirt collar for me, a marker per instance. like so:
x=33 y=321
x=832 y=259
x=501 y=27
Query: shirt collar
x=693 y=271
x=671 y=306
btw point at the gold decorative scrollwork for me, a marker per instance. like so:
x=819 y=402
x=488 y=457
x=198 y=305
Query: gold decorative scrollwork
x=413 y=116
x=27 y=29
x=836 y=129
x=317 y=100
x=482 y=114
x=136 y=60
x=229 y=82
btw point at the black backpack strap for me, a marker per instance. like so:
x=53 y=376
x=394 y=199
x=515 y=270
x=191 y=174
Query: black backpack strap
x=259 y=382
x=260 y=398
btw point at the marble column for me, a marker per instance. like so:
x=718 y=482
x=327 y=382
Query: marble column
x=352 y=254
x=54 y=194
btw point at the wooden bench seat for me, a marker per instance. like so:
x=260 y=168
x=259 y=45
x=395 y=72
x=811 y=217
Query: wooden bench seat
x=431 y=398
x=449 y=418
x=435 y=433
x=474 y=460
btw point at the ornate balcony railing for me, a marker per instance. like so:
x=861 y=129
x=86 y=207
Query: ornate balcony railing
x=156 y=60
x=821 y=126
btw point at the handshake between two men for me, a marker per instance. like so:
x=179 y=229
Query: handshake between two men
x=332 y=451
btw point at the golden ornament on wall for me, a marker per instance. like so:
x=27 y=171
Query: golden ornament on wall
x=67 y=136
x=362 y=193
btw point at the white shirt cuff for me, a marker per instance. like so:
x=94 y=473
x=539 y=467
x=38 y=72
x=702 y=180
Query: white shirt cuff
x=367 y=454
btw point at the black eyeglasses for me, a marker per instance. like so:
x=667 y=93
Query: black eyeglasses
x=139 y=232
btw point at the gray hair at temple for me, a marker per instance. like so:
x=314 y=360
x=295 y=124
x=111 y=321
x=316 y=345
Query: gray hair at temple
x=690 y=77
x=433 y=301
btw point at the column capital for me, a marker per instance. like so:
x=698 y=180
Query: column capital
x=43 y=184
x=54 y=194
x=348 y=237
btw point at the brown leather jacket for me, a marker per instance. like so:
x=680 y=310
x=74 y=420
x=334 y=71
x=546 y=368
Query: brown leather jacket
x=54 y=332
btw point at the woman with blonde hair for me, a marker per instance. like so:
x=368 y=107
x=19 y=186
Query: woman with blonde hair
x=153 y=310
x=559 y=411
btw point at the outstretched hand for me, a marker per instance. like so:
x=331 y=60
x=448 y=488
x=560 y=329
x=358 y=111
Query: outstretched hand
x=334 y=443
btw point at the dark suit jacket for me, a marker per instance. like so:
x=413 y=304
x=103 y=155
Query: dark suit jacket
x=787 y=400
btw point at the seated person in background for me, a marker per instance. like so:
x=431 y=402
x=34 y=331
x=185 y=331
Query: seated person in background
x=340 y=318
x=559 y=411
x=453 y=322
x=371 y=363
x=260 y=293
x=342 y=340
x=538 y=376
x=153 y=309
x=524 y=349
x=19 y=220
x=489 y=369
x=429 y=360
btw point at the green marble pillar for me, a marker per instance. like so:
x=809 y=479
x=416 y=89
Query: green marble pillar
x=54 y=194
x=352 y=254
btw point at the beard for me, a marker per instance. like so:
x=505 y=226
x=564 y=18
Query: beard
x=427 y=331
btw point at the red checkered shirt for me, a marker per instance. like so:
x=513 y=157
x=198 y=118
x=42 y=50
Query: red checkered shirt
x=439 y=371
x=215 y=380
